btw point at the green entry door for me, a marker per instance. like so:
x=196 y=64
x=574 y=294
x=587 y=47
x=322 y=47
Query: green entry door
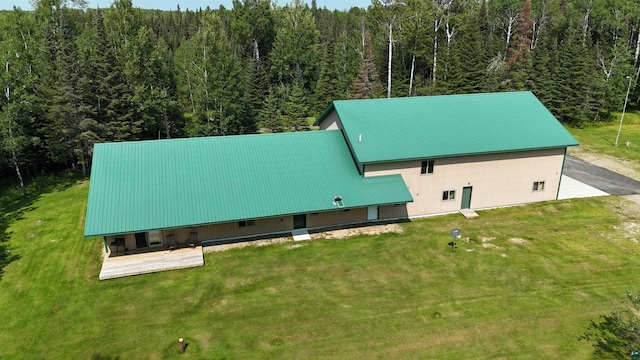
x=466 y=197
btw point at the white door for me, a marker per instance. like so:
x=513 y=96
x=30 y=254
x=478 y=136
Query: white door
x=372 y=213
x=154 y=238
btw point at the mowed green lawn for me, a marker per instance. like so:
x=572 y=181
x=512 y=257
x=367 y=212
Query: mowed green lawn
x=543 y=273
x=602 y=139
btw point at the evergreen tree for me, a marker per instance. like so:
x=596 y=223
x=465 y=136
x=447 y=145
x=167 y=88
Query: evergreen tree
x=327 y=86
x=517 y=65
x=270 y=116
x=366 y=85
x=295 y=106
x=296 y=45
x=578 y=89
x=212 y=75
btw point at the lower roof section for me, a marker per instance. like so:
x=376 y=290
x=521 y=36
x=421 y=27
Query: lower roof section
x=163 y=184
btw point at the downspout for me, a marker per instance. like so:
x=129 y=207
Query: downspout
x=561 y=171
x=106 y=247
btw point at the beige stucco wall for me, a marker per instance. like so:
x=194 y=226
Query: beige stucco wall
x=331 y=122
x=497 y=179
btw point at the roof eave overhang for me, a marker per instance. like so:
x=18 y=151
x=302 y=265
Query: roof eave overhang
x=335 y=208
x=440 y=156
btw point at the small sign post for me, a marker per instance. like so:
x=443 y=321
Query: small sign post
x=456 y=235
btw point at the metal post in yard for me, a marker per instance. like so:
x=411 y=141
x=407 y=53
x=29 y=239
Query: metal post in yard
x=623 y=108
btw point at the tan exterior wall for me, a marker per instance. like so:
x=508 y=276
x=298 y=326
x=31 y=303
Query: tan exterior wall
x=398 y=211
x=233 y=229
x=270 y=225
x=336 y=217
x=331 y=122
x=497 y=179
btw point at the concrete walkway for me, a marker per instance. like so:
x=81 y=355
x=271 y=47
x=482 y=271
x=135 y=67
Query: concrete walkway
x=571 y=189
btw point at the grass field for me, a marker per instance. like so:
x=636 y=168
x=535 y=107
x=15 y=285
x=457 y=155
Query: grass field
x=601 y=139
x=524 y=283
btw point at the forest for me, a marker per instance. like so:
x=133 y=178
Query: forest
x=73 y=76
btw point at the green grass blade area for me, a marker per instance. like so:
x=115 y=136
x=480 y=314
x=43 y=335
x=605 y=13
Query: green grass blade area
x=524 y=283
x=601 y=139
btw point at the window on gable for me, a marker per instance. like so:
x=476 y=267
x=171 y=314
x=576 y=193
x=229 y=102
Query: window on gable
x=427 y=167
x=448 y=195
x=538 y=185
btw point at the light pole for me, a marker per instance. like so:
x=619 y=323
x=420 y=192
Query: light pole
x=623 y=108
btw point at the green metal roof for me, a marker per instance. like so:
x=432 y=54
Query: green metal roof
x=161 y=184
x=452 y=125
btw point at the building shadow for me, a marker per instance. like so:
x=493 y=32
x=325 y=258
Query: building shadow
x=14 y=204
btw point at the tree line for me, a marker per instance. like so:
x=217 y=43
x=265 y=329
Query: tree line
x=73 y=77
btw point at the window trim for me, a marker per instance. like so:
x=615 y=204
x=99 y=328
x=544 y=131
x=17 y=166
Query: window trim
x=448 y=195
x=427 y=167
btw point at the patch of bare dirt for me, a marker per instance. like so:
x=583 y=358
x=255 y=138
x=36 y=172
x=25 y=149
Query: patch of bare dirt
x=31 y=235
x=335 y=234
x=367 y=230
x=244 y=244
x=295 y=246
x=621 y=166
x=518 y=241
x=487 y=246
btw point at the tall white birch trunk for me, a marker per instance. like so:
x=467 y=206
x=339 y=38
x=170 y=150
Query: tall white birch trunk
x=436 y=26
x=14 y=155
x=413 y=67
x=390 y=56
x=637 y=49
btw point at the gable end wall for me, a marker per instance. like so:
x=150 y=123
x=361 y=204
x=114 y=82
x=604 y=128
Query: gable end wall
x=497 y=179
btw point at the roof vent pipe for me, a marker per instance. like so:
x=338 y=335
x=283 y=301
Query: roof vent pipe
x=360 y=138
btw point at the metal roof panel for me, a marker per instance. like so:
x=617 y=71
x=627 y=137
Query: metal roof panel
x=161 y=184
x=449 y=125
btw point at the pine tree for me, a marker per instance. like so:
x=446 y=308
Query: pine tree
x=270 y=116
x=366 y=85
x=518 y=65
x=327 y=86
x=578 y=90
x=210 y=76
x=65 y=112
x=295 y=106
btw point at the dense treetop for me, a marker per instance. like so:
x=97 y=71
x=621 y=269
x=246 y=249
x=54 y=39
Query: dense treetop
x=72 y=77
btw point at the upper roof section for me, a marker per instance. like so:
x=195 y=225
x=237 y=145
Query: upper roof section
x=163 y=184
x=382 y=130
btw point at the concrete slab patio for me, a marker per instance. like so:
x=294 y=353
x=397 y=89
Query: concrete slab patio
x=571 y=189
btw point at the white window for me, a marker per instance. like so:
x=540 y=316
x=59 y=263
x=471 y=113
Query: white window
x=427 y=167
x=448 y=195
x=538 y=185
